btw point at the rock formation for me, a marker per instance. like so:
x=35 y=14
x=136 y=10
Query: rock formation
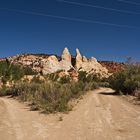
x=65 y=63
x=90 y=66
x=85 y=59
x=112 y=66
x=78 y=60
x=50 y=64
x=66 y=56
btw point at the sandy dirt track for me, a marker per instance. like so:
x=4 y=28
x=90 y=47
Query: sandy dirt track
x=98 y=116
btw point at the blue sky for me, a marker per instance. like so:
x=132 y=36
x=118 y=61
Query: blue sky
x=47 y=26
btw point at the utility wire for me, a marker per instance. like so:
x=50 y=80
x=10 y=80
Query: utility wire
x=99 y=7
x=71 y=19
x=129 y=2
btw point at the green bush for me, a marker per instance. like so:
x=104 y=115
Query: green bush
x=126 y=81
x=82 y=76
x=117 y=81
x=65 y=79
x=5 y=91
x=92 y=77
x=12 y=72
x=53 y=77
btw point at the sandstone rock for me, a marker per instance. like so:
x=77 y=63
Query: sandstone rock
x=62 y=74
x=2 y=59
x=78 y=59
x=65 y=63
x=74 y=75
x=92 y=59
x=41 y=78
x=66 y=56
x=28 y=78
x=85 y=59
x=112 y=66
x=51 y=65
x=90 y=66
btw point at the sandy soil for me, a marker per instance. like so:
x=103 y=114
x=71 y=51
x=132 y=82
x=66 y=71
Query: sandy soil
x=98 y=116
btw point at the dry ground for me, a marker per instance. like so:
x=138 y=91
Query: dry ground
x=98 y=116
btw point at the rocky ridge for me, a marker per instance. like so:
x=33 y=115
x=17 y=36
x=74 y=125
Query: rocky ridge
x=112 y=66
x=52 y=63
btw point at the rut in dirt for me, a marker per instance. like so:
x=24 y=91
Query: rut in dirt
x=99 y=115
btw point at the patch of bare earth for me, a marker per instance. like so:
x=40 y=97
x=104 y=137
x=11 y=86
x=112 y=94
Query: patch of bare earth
x=100 y=115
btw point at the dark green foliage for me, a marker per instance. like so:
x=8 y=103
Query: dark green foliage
x=53 y=76
x=93 y=77
x=85 y=77
x=12 y=72
x=82 y=76
x=65 y=79
x=5 y=91
x=28 y=71
x=117 y=81
x=126 y=81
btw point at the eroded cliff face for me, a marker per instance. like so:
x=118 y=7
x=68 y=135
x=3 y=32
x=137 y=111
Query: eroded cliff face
x=51 y=64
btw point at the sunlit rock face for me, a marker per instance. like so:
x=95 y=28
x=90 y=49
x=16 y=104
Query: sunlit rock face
x=53 y=65
x=85 y=59
x=65 y=63
x=79 y=60
x=50 y=63
x=90 y=66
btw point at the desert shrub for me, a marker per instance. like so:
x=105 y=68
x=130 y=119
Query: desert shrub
x=53 y=94
x=10 y=72
x=82 y=76
x=117 y=81
x=126 y=81
x=28 y=71
x=91 y=81
x=91 y=86
x=49 y=97
x=137 y=93
x=93 y=77
x=85 y=77
x=104 y=84
x=65 y=79
x=53 y=76
x=13 y=72
x=5 y=91
x=36 y=79
x=77 y=89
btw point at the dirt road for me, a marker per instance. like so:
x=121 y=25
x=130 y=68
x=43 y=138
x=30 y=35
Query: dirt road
x=99 y=116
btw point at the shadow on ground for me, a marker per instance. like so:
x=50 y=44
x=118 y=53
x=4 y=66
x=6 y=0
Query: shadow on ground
x=112 y=92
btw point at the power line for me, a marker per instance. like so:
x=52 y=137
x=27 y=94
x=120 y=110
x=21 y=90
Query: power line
x=99 y=7
x=129 y=2
x=71 y=19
